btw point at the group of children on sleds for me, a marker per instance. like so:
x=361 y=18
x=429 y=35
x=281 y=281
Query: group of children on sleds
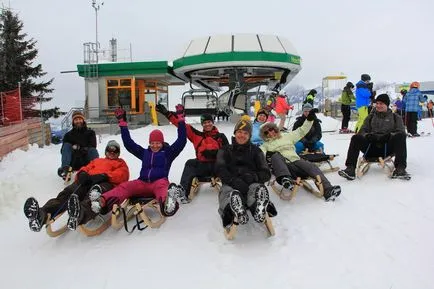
x=258 y=150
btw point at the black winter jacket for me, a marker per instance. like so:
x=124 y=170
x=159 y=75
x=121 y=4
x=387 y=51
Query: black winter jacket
x=314 y=134
x=239 y=166
x=84 y=137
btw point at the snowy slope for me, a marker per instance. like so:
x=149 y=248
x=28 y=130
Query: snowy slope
x=378 y=234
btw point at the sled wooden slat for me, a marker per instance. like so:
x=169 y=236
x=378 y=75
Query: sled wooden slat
x=269 y=225
x=155 y=206
x=230 y=232
x=117 y=220
x=318 y=193
x=96 y=231
x=50 y=231
x=282 y=192
x=196 y=184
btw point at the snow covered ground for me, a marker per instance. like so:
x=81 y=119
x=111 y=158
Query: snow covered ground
x=378 y=234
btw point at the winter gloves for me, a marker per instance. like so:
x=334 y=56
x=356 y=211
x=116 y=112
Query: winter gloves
x=86 y=179
x=121 y=115
x=179 y=112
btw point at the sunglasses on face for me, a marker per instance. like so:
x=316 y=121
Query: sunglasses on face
x=269 y=130
x=112 y=149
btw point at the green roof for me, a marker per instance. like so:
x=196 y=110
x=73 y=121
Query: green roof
x=236 y=56
x=126 y=68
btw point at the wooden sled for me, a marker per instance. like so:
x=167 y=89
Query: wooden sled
x=136 y=208
x=49 y=226
x=96 y=226
x=231 y=231
x=117 y=219
x=364 y=164
x=283 y=193
x=197 y=182
x=319 y=192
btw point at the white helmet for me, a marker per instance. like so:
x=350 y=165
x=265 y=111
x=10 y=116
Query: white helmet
x=282 y=92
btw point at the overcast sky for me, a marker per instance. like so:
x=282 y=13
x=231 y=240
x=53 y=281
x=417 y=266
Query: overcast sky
x=392 y=40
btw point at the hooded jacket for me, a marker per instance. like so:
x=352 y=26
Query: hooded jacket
x=155 y=165
x=116 y=169
x=285 y=142
x=241 y=163
x=363 y=94
x=83 y=136
x=202 y=141
x=315 y=132
x=382 y=123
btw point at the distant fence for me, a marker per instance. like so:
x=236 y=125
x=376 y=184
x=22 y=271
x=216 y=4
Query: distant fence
x=19 y=136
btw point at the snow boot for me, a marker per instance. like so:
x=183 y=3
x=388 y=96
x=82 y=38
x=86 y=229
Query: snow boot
x=170 y=204
x=95 y=193
x=36 y=216
x=237 y=207
x=332 y=193
x=260 y=208
x=349 y=173
x=73 y=212
x=63 y=172
x=287 y=183
x=400 y=173
x=181 y=195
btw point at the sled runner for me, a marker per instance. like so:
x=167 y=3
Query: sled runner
x=231 y=230
x=282 y=192
x=319 y=192
x=197 y=182
x=96 y=226
x=288 y=195
x=364 y=164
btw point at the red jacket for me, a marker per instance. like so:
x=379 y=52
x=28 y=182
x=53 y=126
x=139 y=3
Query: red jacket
x=117 y=170
x=206 y=143
x=282 y=106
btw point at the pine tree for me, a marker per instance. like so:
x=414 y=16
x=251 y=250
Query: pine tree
x=16 y=66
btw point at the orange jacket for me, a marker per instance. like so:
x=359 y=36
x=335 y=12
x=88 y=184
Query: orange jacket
x=117 y=170
x=282 y=106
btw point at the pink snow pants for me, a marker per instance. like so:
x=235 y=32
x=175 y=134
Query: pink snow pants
x=137 y=188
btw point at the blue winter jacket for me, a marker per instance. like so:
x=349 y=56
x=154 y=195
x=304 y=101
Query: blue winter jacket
x=155 y=165
x=412 y=99
x=256 y=138
x=363 y=94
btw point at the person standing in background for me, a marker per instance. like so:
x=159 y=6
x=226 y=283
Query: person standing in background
x=363 y=99
x=347 y=98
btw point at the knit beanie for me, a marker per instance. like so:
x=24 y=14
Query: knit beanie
x=307 y=107
x=261 y=111
x=77 y=114
x=384 y=98
x=156 y=135
x=113 y=145
x=205 y=117
x=244 y=125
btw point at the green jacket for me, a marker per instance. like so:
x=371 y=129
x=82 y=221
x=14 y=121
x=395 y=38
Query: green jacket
x=347 y=97
x=285 y=145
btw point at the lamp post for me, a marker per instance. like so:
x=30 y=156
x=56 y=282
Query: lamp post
x=96 y=6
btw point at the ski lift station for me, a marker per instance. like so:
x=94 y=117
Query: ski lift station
x=223 y=72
